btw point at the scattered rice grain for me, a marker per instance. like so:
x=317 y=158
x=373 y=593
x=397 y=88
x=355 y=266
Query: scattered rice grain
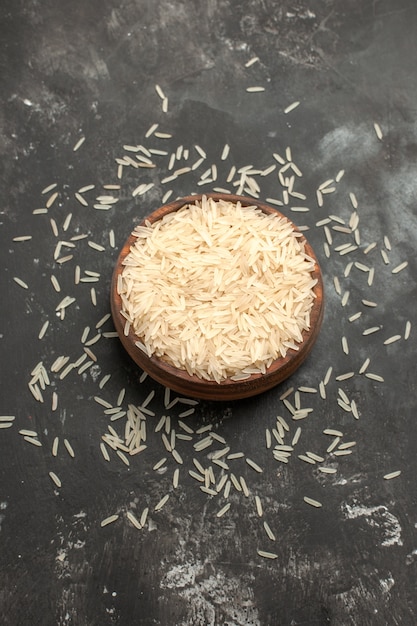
x=109 y=520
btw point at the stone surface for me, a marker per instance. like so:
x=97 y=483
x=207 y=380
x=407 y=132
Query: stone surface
x=89 y=70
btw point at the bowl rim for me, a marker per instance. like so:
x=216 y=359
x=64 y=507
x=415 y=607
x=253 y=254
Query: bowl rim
x=180 y=380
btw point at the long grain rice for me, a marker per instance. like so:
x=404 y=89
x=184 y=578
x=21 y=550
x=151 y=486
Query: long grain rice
x=269 y=531
x=223 y=510
x=378 y=131
x=33 y=441
x=376 y=377
x=133 y=520
x=345 y=376
x=55 y=479
x=312 y=502
x=392 y=339
x=161 y=503
x=296 y=437
x=371 y=330
x=332 y=432
x=259 y=508
x=175 y=315
x=306 y=459
x=254 y=465
x=51 y=200
x=291 y=107
x=399 y=267
x=20 y=282
x=333 y=445
x=109 y=520
x=69 y=448
x=43 y=329
x=176 y=478
x=49 y=188
x=78 y=144
x=55 y=446
x=392 y=475
x=267 y=555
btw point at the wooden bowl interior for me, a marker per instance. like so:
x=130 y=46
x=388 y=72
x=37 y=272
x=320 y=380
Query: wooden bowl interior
x=179 y=380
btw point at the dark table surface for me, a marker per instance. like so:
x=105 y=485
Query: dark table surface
x=89 y=70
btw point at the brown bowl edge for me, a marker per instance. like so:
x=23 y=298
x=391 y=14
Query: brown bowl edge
x=193 y=386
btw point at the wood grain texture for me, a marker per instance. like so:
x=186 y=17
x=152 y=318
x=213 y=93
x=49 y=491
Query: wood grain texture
x=179 y=380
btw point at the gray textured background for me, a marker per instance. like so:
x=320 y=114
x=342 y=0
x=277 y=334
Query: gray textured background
x=89 y=69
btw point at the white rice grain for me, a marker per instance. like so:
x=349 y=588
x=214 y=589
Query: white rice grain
x=223 y=510
x=109 y=520
x=375 y=377
x=392 y=475
x=258 y=504
x=254 y=465
x=399 y=267
x=55 y=445
x=133 y=520
x=175 y=478
x=161 y=502
x=306 y=459
x=378 y=131
x=78 y=144
x=291 y=107
x=55 y=479
x=345 y=376
x=312 y=502
x=151 y=130
x=267 y=555
x=20 y=282
x=392 y=339
x=371 y=330
x=225 y=152
x=43 y=330
x=22 y=238
x=49 y=188
x=69 y=448
x=80 y=199
x=332 y=432
x=340 y=452
x=51 y=200
x=32 y=440
x=55 y=283
x=385 y=257
x=104 y=451
x=333 y=445
x=251 y=61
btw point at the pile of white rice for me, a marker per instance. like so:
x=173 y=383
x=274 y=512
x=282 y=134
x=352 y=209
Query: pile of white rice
x=217 y=289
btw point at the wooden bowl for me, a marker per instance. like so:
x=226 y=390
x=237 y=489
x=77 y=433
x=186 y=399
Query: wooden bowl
x=193 y=386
